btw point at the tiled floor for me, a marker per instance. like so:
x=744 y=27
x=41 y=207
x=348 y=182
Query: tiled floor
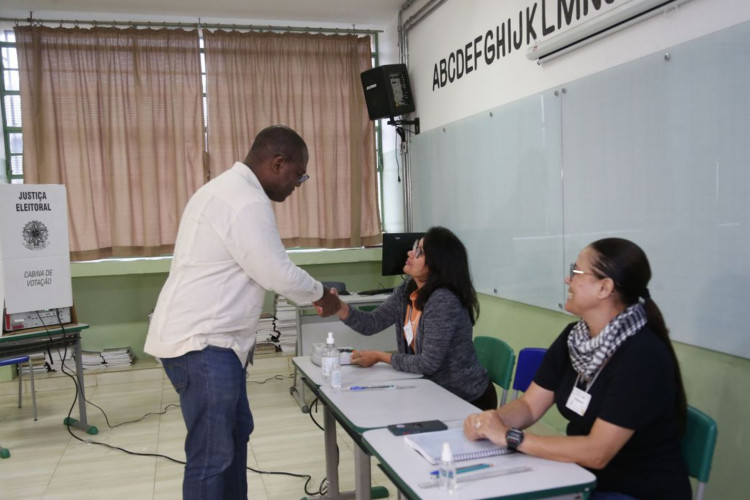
x=48 y=463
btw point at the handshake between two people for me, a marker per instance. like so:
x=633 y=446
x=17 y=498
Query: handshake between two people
x=329 y=304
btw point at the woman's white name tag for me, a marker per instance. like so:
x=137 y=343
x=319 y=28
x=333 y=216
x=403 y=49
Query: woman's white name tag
x=578 y=401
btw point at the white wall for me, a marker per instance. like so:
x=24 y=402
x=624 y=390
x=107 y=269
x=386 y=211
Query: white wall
x=458 y=22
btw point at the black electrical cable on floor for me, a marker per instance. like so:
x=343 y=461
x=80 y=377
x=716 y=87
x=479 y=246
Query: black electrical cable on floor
x=171 y=405
x=106 y=419
x=308 y=478
x=322 y=489
x=314 y=404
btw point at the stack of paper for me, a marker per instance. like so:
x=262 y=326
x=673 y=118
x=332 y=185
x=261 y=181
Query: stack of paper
x=267 y=339
x=91 y=360
x=54 y=358
x=117 y=356
x=38 y=364
x=286 y=324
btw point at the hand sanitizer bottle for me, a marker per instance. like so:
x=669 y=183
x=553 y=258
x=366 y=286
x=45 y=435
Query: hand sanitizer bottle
x=447 y=477
x=329 y=355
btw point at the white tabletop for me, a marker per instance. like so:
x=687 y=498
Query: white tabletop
x=547 y=477
x=412 y=400
x=353 y=374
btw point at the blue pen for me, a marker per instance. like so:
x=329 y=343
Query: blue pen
x=468 y=468
x=367 y=387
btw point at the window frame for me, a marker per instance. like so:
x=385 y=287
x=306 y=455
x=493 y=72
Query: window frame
x=7 y=129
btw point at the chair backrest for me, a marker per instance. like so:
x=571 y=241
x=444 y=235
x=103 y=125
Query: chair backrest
x=529 y=359
x=498 y=358
x=698 y=444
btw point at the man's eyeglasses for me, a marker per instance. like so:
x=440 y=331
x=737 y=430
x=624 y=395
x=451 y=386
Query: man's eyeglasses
x=303 y=177
x=418 y=251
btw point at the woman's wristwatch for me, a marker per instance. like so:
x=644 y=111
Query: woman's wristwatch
x=513 y=438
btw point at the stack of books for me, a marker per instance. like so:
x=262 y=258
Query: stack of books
x=286 y=324
x=54 y=358
x=38 y=364
x=266 y=336
x=118 y=356
x=91 y=360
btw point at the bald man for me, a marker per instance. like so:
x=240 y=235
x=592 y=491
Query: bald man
x=227 y=254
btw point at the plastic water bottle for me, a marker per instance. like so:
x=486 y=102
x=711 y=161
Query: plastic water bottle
x=335 y=375
x=447 y=477
x=329 y=356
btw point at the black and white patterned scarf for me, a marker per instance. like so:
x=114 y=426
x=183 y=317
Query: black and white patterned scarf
x=588 y=354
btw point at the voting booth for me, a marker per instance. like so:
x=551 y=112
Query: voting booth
x=35 y=285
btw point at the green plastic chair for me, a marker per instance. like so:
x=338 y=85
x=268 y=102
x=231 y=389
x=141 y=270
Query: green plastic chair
x=698 y=447
x=498 y=359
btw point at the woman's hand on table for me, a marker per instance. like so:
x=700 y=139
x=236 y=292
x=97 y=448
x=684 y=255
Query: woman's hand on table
x=365 y=358
x=485 y=425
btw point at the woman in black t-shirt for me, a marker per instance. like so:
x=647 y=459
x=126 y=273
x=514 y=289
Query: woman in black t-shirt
x=614 y=376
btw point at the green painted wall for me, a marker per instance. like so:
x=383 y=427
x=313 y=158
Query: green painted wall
x=715 y=383
x=115 y=298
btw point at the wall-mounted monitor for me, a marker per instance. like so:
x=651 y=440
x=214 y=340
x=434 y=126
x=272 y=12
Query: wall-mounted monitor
x=395 y=249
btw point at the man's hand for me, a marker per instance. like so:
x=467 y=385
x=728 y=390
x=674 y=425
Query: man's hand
x=329 y=303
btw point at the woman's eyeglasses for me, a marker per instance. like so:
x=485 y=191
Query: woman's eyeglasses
x=574 y=271
x=418 y=251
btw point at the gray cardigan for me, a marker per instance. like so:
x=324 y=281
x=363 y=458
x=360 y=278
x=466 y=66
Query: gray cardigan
x=444 y=348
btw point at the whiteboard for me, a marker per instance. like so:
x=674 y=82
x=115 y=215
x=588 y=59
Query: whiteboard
x=656 y=150
x=495 y=180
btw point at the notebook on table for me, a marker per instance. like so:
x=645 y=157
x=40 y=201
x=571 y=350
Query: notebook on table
x=430 y=445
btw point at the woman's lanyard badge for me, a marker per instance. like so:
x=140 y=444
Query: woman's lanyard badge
x=578 y=401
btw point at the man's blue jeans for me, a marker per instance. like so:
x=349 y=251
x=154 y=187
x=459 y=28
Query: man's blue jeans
x=213 y=397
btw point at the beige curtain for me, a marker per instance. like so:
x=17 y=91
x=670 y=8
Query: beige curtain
x=115 y=115
x=311 y=83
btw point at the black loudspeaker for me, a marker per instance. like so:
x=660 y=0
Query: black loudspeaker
x=387 y=91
